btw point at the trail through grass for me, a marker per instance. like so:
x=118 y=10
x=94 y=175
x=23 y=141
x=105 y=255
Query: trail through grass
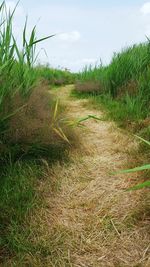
x=90 y=221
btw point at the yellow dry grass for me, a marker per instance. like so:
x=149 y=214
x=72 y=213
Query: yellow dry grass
x=91 y=221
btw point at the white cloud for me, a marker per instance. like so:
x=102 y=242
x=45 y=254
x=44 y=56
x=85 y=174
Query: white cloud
x=11 y=6
x=73 y=36
x=82 y=40
x=145 y=9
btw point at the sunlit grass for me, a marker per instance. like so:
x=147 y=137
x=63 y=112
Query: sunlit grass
x=124 y=86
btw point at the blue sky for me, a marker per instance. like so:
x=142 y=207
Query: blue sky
x=85 y=3
x=87 y=30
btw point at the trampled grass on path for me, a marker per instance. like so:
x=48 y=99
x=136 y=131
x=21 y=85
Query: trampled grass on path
x=90 y=220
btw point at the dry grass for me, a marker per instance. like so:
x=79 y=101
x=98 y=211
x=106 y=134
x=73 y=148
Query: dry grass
x=33 y=123
x=91 y=221
x=32 y=129
x=87 y=87
x=130 y=88
x=59 y=82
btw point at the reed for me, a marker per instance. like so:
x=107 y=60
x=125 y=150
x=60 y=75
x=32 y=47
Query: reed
x=124 y=86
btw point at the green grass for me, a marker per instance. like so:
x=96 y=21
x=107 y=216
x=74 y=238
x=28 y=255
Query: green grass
x=17 y=73
x=18 y=197
x=20 y=202
x=123 y=112
x=124 y=86
x=124 y=93
x=27 y=138
x=139 y=169
x=19 y=81
x=55 y=77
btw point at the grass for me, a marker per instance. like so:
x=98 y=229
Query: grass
x=20 y=202
x=17 y=67
x=55 y=77
x=33 y=135
x=123 y=85
x=18 y=75
x=18 y=198
x=122 y=90
x=138 y=169
x=29 y=143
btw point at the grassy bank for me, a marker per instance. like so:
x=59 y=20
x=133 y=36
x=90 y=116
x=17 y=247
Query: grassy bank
x=122 y=87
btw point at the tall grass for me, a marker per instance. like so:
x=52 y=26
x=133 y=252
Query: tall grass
x=124 y=85
x=17 y=73
x=138 y=169
x=28 y=143
x=124 y=92
x=26 y=108
x=55 y=77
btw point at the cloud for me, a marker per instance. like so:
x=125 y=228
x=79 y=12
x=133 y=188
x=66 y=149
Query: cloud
x=145 y=9
x=72 y=37
x=11 y=6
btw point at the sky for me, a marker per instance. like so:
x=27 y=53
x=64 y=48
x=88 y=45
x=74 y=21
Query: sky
x=87 y=31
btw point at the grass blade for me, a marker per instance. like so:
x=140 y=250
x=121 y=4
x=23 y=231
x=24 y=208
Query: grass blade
x=42 y=39
x=141 y=168
x=139 y=186
x=143 y=140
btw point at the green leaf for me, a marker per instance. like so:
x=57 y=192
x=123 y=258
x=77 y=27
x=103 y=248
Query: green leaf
x=55 y=110
x=32 y=37
x=88 y=117
x=140 y=186
x=24 y=32
x=142 y=139
x=2 y=5
x=141 y=168
x=43 y=39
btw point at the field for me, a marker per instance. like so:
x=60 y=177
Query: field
x=64 y=140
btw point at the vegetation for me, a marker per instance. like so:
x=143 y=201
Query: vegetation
x=34 y=133
x=123 y=89
x=123 y=86
x=22 y=100
x=56 y=77
x=30 y=126
x=138 y=169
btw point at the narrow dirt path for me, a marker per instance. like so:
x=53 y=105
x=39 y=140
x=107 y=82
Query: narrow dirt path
x=92 y=221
